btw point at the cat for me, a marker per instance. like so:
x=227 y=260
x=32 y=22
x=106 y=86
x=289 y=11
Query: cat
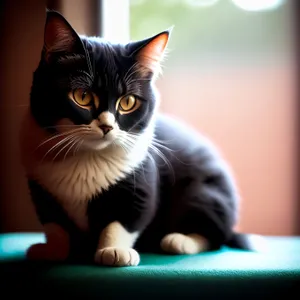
x=109 y=175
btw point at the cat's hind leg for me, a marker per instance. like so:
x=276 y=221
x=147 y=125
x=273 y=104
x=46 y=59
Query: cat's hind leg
x=202 y=216
x=202 y=229
x=178 y=243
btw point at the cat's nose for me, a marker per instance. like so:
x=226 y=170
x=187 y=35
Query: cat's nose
x=106 y=128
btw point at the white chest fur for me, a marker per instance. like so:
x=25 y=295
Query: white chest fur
x=75 y=180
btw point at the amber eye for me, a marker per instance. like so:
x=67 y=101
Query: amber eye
x=127 y=104
x=84 y=98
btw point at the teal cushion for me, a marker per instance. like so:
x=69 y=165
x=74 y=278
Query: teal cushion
x=225 y=273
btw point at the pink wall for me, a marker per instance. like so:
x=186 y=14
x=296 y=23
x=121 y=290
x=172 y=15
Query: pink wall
x=250 y=113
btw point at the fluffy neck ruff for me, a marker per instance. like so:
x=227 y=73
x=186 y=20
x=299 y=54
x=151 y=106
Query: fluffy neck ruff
x=77 y=179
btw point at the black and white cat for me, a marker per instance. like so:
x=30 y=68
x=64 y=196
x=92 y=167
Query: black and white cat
x=109 y=176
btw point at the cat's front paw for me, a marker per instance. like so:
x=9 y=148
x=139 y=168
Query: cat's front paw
x=178 y=243
x=47 y=252
x=118 y=257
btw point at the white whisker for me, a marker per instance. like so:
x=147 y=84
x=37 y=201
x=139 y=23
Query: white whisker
x=164 y=158
x=67 y=126
x=74 y=142
x=56 y=145
x=69 y=142
x=61 y=134
x=128 y=74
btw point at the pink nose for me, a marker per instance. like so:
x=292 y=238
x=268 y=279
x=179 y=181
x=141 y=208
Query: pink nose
x=106 y=128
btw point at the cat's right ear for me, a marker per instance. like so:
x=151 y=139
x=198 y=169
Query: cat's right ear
x=150 y=52
x=60 y=37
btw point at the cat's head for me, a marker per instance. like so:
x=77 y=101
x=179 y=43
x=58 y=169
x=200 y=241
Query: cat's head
x=98 y=92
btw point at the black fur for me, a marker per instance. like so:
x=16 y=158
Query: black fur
x=193 y=193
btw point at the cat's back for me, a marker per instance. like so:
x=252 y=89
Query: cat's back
x=183 y=152
x=175 y=137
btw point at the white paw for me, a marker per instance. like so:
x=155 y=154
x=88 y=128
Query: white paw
x=119 y=257
x=178 y=243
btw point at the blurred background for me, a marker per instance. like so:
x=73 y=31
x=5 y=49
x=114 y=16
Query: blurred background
x=231 y=73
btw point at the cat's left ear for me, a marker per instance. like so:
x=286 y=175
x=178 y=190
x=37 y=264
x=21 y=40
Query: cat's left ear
x=60 y=37
x=150 y=52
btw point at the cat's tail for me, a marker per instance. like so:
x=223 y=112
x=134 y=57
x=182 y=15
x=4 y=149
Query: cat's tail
x=250 y=242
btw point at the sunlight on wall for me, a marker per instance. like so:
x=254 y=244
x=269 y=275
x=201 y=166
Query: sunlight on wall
x=231 y=74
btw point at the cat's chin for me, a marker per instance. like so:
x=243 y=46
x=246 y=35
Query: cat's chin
x=97 y=143
x=99 y=146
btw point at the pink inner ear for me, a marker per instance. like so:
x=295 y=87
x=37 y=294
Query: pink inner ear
x=152 y=54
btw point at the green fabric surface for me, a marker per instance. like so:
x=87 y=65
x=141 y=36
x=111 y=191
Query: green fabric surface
x=229 y=273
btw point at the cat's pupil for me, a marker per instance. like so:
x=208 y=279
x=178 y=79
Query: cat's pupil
x=83 y=95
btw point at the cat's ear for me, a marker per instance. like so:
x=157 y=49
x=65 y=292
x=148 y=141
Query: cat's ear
x=150 y=52
x=59 y=36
